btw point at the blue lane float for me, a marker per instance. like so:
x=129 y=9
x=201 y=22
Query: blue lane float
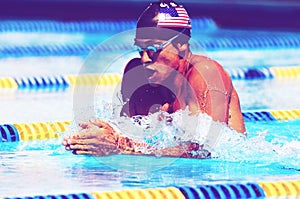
x=252 y=41
x=67 y=196
x=38 y=83
x=86 y=26
x=207 y=44
x=258 y=116
x=49 y=50
x=250 y=73
x=249 y=190
x=9 y=133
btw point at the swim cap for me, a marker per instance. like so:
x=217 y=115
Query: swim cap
x=160 y=17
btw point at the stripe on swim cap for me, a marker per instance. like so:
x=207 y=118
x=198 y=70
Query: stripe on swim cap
x=173 y=16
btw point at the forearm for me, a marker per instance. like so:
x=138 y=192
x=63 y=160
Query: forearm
x=236 y=119
x=127 y=145
x=237 y=123
x=186 y=149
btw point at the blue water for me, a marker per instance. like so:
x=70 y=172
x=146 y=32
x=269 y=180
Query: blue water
x=270 y=152
x=44 y=167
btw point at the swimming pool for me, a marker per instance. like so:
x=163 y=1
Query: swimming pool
x=39 y=67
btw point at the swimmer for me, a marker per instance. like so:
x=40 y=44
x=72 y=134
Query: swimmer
x=167 y=77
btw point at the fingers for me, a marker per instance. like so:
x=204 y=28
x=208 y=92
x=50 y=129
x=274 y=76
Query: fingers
x=98 y=123
x=64 y=142
x=165 y=107
x=67 y=147
x=75 y=141
x=96 y=138
x=101 y=124
x=101 y=147
x=79 y=152
x=86 y=125
x=100 y=150
x=83 y=125
x=92 y=146
x=87 y=134
x=86 y=142
x=99 y=153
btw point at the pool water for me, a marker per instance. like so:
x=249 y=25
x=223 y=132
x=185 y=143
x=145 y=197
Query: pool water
x=44 y=167
x=271 y=151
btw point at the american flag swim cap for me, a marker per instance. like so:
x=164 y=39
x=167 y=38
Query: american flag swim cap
x=164 y=14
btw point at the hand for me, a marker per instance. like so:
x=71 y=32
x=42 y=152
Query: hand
x=165 y=107
x=95 y=138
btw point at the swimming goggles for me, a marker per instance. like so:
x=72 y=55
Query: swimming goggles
x=154 y=49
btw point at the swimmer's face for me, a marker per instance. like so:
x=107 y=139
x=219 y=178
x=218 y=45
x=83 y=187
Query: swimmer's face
x=160 y=62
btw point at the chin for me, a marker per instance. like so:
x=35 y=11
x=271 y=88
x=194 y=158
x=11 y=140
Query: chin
x=153 y=83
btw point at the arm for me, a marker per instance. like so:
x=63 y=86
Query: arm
x=236 y=120
x=100 y=139
x=97 y=137
x=213 y=102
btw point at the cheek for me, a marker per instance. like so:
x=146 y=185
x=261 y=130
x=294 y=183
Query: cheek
x=167 y=70
x=168 y=60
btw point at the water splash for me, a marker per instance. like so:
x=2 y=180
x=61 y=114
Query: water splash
x=257 y=149
x=160 y=132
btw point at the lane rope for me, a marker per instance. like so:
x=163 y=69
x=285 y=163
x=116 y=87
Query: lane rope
x=50 y=130
x=221 y=191
x=65 y=81
x=203 y=23
x=81 y=49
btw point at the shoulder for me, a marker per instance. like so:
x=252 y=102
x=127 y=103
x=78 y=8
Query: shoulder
x=204 y=61
x=206 y=65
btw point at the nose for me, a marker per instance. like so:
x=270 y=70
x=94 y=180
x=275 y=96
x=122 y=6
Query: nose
x=145 y=57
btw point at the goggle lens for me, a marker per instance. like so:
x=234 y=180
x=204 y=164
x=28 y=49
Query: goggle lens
x=151 y=51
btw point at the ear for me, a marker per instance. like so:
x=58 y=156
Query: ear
x=182 y=47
